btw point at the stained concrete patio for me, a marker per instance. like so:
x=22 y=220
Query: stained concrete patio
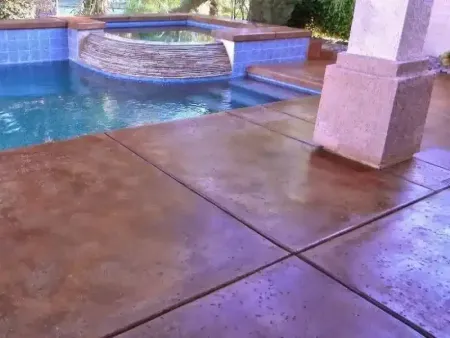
x=228 y=225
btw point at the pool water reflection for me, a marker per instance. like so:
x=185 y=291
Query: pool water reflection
x=56 y=101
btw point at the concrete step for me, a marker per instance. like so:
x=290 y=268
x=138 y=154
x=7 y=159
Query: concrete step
x=302 y=75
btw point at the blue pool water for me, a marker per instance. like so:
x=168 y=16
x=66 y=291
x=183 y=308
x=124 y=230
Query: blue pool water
x=56 y=101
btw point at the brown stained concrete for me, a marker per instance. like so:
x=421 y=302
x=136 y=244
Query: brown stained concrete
x=285 y=189
x=436 y=139
x=401 y=261
x=277 y=121
x=290 y=299
x=33 y=23
x=92 y=239
x=307 y=74
x=304 y=108
x=423 y=173
x=260 y=33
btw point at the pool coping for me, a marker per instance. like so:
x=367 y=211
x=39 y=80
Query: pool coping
x=237 y=30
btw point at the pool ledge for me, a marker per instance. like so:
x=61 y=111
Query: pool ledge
x=239 y=30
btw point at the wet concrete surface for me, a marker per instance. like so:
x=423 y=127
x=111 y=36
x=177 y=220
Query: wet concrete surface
x=285 y=300
x=402 y=261
x=304 y=108
x=423 y=173
x=307 y=74
x=93 y=239
x=285 y=189
x=279 y=122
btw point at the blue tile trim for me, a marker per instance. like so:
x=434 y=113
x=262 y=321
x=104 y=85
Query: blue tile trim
x=33 y=45
x=192 y=23
x=284 y=84
x=153 y=79
x=128 y=24
x=269 y=52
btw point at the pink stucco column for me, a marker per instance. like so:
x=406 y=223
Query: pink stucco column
x=438 y=36
x=375 y=98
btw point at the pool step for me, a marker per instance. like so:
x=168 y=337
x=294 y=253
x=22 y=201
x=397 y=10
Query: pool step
x=275 y=92
x=208 y=101
x=238 y=97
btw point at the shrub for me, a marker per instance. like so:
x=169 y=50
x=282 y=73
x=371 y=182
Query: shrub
x=336 y=19
x=93 y=7
x=16 y=9
x=328 y=17
x=445 y=59
x=304 y=13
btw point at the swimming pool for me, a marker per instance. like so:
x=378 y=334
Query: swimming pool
x=56 y=101
x=166 y=35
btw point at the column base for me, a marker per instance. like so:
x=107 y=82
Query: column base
x=373 y=111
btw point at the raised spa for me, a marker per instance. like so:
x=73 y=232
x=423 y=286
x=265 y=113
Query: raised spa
x=181 y=48
x=156 y=53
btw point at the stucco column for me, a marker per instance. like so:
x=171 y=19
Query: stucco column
x=375 y=98
x=438 y=37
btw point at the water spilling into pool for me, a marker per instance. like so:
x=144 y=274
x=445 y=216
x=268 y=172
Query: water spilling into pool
x=57 y=101
x=166 y=35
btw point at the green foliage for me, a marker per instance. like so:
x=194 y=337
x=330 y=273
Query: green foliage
x=152 y=6
x=337 y=17
x=304 y=14
x=93 y=7
x=16 y=9
x=328 y=17
x=445 y=59
x=275 y=12
x=236 y=9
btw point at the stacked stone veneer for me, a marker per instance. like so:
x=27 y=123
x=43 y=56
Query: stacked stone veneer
x=33 y=45
x=438 y=36
x=132 y=58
